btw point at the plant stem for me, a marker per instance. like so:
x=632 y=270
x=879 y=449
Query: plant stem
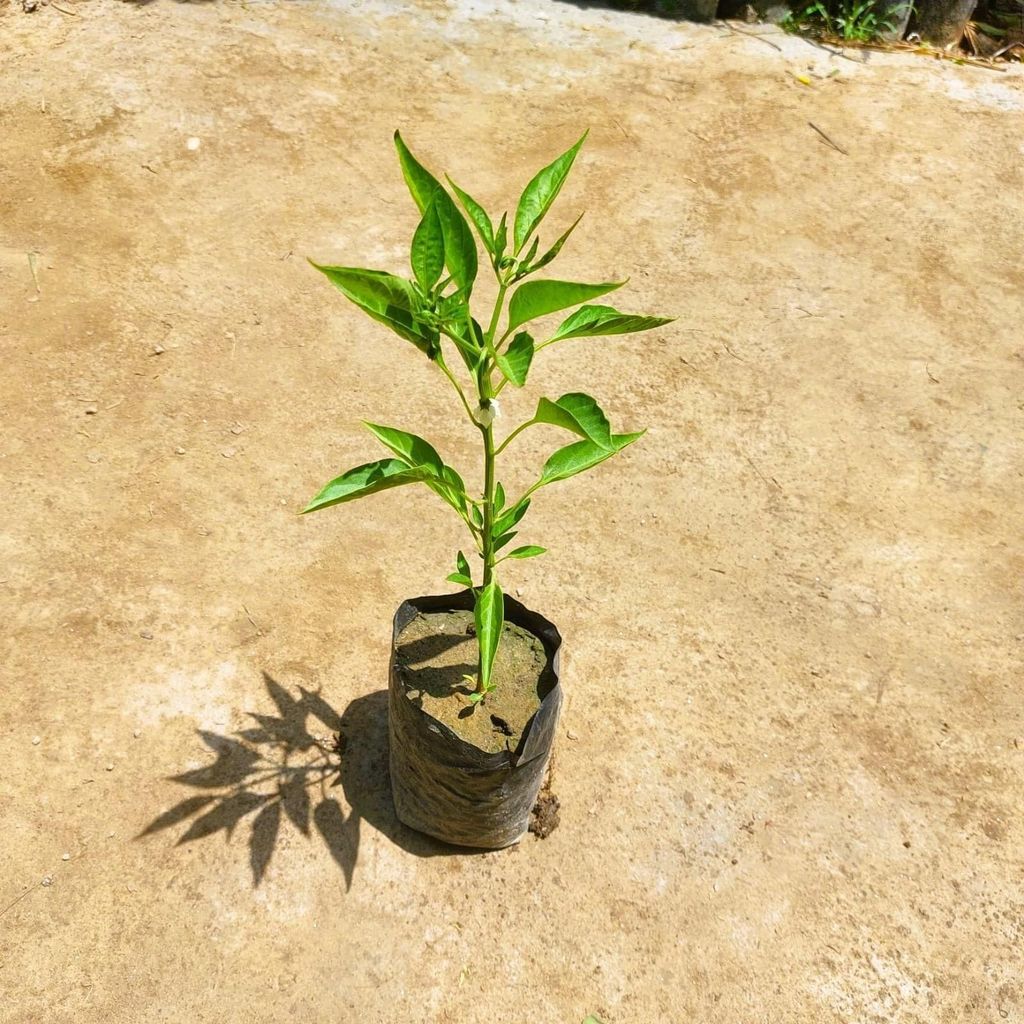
x=485 y=392
x=496 y=315
x=455 y=384
x=515 y=433
x=488 y=537
x=484 y=382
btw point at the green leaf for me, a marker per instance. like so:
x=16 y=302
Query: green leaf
x=515 y=361
x=459 y=248
x=538 y=298
x=388 y=299
x=478 y=215
x=413 y=450
x=511 y=518
x=453 y=307
x=556 y=248
x=529 y=551
x=458 y=577
x=499 y=497
x=422 y=184
x=427 y=253
x=456 y=488
x=364 y=480
x=500 y=542
x=538 y=196
x=525 y=261
x=420 y=454
x=989 y=30
x=462 y=564
x=470 y=359
x=501 y=237
x=594 y=321
x=470 y=346
x=489 y=615
x=578 y=413
x=575 y=458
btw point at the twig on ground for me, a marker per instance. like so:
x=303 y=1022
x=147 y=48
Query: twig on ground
x=817 y=44
x=74 y=14
x=928 y=51
x=752 y=35
x=18 y=899
x=767 y=479
x=32 y=267
x=252 y=622
x=1017 y=44
x=831 y=142
x=880 y=688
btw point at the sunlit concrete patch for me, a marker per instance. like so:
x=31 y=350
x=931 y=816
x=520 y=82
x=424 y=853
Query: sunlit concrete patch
x=880 y=985
x=283 y=897
x=995 y=95
x=204 y=695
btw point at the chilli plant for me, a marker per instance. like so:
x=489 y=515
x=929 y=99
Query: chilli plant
x=432 y=310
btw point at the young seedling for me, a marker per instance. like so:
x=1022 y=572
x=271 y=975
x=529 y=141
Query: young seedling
x=432 y=310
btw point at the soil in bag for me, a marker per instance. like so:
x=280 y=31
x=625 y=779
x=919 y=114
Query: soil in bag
x=437 y=650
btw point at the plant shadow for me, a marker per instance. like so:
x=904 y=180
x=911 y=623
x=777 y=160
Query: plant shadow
x=283 y=770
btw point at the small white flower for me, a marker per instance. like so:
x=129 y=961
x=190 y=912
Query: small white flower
x=485 y=415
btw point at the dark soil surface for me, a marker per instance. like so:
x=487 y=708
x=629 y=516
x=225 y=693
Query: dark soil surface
x=436 y=651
